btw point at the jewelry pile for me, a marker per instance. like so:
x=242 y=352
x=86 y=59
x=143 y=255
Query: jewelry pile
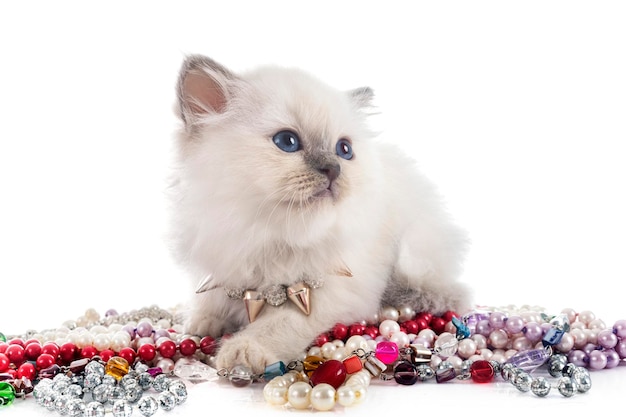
x=142 y=361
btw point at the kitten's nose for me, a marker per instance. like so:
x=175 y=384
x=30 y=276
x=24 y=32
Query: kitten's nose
x=331 y=171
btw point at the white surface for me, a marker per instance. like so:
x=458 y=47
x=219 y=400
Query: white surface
x=516 y=110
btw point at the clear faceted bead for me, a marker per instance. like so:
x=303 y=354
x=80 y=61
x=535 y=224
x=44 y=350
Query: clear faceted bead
x=94 y=409
x=566 y=386
x=75 y=407
x=167 y=400
x=240 y=376
x=121 y=409
x=522 y=381
x=179 y=389
x=446 y=345
x=582 y=379
x=95 y=368
x=147 y=406
x=161 y=383
x=424 y=372
x=540 y=387
x=101 y=393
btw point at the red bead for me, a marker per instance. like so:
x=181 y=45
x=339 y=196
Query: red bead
x=146 y=352
x=50 y=348
x=4 y=363
x=16 y=342
x=3 y=347
x=332 y=372
x=27 y=370
x=411 y=327
x=128 y=354
x=13 y=373
x=88 y=352
x=425 y=315
x=321 y=339
x=448 y=315
x=372 y=331
x=15 y=353
x=106 y=354
x=32 y=351
x=45 y=360
x=438 y=325
x=340 y=331
x=422 y=323
x=167 y=349
x=357 y=329
x=187 y=347
x=208 y=345
x=67 y=352
x=481 y=371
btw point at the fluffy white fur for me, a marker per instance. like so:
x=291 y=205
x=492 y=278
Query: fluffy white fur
x=252 y=215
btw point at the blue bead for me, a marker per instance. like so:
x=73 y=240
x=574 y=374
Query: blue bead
x=274 y=370
x=462 y=331
x=552 y=337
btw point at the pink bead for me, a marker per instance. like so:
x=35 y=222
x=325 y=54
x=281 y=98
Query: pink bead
x=597 y=360
x=621 y=349
x=533 y=332
x=387 y=352
x=497 y=320
x=514 y=324
x=612 y=359
x=498 y=339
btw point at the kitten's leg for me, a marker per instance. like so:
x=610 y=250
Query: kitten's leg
x=426 y=272
x=213 y=315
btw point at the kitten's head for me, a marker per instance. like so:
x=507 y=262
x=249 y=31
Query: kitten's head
x=273 y=147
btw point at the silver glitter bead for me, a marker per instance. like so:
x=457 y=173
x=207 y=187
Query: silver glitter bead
x=109 y=380
x=60 y=405
x=133 y=393
x=141 y=367
x=235 y=293
x=507 y=371
x=179 y=389
x=75 y=407
x=167 y=400
x=116 y=393
x=74 y=391
x=161 y=383
x=275 y=295
x=424 y=372
x=94 y=409
x=522 y=381
x=568 y=370
x=48 y=400
x=101 y=393
x=147 y=406
x=145 y=380
x=94 y=367
x=464 y=371
x=128 y=382
x=566 y=386
x=582 y=379
x=314 y=283
x=91 y=381
x=540 y=387
x=121 y=409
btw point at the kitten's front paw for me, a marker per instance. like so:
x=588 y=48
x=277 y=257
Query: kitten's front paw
x=246 y=351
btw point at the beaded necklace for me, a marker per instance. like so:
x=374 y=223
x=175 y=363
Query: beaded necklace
x=142 y=360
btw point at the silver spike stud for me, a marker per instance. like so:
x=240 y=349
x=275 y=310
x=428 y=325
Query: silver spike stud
x=206 y=285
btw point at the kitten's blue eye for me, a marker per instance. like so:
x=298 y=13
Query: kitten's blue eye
x=344 y=149
x=287 y=141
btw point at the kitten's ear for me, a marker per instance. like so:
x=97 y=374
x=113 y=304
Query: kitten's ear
x=202 y=87
x=362 y=97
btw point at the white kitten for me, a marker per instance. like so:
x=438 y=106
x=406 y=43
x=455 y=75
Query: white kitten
x=280 y=182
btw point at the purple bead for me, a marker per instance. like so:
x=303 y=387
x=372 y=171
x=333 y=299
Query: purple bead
x=154 y=371
x=577 y=357
x=130 y=330
x=472 y=318
x=619 y=328
x=514 y=324
x=529 y=360
x=482 y=327
x=597 y=360
x=161 y=333
x=621 y=349
x=589 y=347
x=144 y=329
x=497 y=320
x=111 y=313
x=612 y=358
x=607 y=339
x=445 y=374
x=533 y=332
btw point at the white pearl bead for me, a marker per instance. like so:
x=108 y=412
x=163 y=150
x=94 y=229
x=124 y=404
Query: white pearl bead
x=339 y=343
x=510 y=353
x=356 y=342
x=400 y=338
x=388 y=327
x=346 y=395
x=315 y=351
x=389 y=313
x=275 y=394
x=166 y=364
x=455 y=361
x=323 y=397
x=291 y=377
x=406 y=313
x=466 y=348
x=597 y=324
x=428 y=334
x=299 y=395
x=101 y=341
x=481 y=341
x=586 y=317
x=339 y=354
x=327 y=349
x=359 y=393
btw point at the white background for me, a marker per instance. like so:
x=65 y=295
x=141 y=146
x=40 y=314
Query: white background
x=515 y=109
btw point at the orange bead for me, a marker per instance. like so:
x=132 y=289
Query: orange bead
x=117 y=367
x=353 y=364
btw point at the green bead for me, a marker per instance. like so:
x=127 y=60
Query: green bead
x=3 y=338
x=7 y=393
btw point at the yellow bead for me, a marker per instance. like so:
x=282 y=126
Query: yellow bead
x=117 y=367
x=311 y=363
